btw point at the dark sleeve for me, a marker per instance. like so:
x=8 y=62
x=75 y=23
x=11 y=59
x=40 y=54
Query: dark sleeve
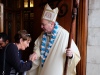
x=14 y=60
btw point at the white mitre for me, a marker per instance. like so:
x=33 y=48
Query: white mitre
x=50 y=14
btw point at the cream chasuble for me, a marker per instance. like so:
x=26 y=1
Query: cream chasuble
x=54 y=63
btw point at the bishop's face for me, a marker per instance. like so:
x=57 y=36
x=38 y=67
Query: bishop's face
x=47 y=26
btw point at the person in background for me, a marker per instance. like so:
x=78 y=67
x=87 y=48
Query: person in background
x=50 y=48
x=4 y=40
x=10 y=53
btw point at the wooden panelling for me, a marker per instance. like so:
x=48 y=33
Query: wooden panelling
x=82 y=36
x=1 y=17
x=65 y=21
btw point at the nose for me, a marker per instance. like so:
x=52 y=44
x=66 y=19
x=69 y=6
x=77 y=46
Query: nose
x=41 y=26
x=28 y=45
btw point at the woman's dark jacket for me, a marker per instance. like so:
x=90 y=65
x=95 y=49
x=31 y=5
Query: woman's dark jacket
x=13 y=60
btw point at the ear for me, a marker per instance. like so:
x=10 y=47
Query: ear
x=7 y=41
x=21 y=40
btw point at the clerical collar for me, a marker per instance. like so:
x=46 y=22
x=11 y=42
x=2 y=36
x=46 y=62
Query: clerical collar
x=49 y=34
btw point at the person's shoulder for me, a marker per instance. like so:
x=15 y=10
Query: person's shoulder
x=40 y=36
x=11 y=45
x=63 y=30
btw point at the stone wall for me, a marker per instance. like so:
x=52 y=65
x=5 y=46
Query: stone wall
x=93 y=45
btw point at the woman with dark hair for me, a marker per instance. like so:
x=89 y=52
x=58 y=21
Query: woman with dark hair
x=11 y=54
